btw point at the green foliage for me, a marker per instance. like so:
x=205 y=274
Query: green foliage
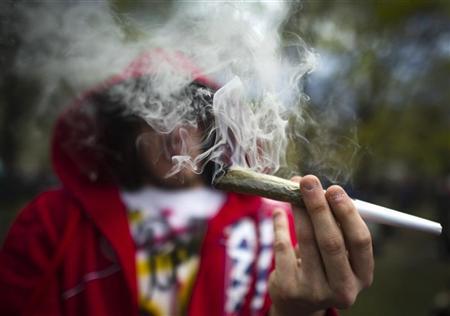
x=417 y=135
x=391 y=13
x=393 y=71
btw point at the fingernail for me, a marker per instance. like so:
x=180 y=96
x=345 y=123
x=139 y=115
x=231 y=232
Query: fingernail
x=338 y=196
x=310 y=185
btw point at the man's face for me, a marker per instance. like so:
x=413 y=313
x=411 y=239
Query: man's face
x=157 y=150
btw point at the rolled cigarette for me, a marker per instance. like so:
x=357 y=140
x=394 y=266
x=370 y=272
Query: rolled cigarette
x=246 y=181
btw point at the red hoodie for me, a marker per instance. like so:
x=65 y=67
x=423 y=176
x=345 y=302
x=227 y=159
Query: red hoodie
x=70 y=251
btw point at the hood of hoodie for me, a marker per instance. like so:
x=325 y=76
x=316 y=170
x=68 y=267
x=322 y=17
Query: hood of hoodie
x=75 y=158
x=81 y=167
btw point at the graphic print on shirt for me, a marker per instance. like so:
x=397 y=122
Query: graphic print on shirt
x=263 y=263
x=249 y=255
x=168 y=227
x=167 y=261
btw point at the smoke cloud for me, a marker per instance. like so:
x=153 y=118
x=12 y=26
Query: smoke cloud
x=238 y=45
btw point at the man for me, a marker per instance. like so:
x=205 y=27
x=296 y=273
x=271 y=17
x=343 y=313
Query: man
x=121 y=238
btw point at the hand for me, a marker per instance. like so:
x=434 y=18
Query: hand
x=334 y=259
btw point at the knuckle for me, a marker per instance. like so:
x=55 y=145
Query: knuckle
x=317 y=208
x=363 y=242
x=345 y=298
x=332 y=245
x=281 y=245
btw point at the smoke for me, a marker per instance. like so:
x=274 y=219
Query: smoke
x=238 y=45
x=78 y=44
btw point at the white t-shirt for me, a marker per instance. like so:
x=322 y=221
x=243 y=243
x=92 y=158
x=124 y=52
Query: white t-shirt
x=168 y=228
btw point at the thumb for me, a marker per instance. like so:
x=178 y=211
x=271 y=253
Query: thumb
x=285 y=258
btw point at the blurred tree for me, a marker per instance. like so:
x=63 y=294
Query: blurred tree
x=23 y=147
x=388 y=64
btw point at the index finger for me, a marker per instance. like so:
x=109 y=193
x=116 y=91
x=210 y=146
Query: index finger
x=328 y=235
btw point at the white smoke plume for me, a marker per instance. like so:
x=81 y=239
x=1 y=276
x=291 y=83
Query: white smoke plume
x=237 y=44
